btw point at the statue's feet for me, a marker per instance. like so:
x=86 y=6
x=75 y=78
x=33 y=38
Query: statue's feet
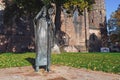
x=37 y=69
x=47 y=69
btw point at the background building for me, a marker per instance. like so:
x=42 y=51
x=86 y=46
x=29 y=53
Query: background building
x=91 y=32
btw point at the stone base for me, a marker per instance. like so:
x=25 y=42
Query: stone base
x=76 y=48
x=56 y=49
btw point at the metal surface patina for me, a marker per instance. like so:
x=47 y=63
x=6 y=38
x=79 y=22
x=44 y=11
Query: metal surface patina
x=44 y=31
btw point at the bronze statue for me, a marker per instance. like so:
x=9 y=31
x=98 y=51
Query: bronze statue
x=44 y=35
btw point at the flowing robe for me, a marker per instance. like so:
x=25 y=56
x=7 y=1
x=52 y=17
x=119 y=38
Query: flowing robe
x=43 y=39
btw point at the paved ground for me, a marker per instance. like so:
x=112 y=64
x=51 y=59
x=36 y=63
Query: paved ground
x=56 y=73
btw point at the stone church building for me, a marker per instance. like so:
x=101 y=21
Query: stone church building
x=80 y=33
x=89 y=33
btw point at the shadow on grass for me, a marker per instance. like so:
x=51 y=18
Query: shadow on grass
x=31 y=61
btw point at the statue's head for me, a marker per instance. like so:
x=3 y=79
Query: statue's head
x=44 y=13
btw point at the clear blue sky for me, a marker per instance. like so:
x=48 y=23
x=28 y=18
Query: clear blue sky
x=111 y=6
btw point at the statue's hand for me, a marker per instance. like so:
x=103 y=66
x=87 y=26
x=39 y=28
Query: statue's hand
x=35 y=21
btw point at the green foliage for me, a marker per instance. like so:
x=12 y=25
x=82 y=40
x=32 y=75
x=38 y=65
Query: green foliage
x=46 y=2
x=117 y=15
x=81 y=4
x=21 y=7
x=35 y=5
x=29 y=6
x=107 y=62
x=114 y=21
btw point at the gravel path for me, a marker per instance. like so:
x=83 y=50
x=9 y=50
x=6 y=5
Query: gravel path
x=56 y=73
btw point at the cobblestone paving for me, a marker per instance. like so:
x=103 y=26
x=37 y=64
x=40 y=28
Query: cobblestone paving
x=56 y=73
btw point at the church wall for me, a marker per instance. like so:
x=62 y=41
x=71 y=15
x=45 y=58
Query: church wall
x=77 y=31
x=90 y=27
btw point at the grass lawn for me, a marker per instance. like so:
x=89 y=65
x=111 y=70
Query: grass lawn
x=107 y=62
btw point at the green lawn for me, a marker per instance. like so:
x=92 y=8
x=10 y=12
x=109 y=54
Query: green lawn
x=107 y=62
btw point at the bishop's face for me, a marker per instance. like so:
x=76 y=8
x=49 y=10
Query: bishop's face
x=44 y=13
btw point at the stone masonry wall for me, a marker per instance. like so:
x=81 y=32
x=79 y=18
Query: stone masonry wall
x=77 y=39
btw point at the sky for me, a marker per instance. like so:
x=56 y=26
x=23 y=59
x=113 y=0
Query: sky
x=111 y=6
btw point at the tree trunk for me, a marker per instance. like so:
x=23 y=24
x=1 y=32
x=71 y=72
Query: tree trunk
x=58 y=19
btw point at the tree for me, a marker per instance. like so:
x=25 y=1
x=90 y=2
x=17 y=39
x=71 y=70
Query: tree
x=70 y=5
x=21 y=7
x=59 y=4
x=31 y=7
x=114 y=26
x=117 y=15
